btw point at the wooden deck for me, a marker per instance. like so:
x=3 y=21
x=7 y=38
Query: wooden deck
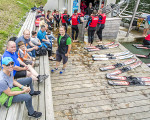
x=82 y=92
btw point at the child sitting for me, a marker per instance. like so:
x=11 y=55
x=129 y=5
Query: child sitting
x=34 y=39
x=23 y=55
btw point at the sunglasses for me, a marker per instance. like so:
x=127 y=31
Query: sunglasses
x=10 y=64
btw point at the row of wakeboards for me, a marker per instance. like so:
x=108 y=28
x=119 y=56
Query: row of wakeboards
x=130 y=64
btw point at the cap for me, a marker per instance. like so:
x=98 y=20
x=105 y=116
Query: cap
x=6 y=60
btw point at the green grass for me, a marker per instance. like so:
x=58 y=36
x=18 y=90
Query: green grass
x=11 y=13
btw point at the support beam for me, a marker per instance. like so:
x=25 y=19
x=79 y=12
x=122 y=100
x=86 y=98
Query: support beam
x=135 y=9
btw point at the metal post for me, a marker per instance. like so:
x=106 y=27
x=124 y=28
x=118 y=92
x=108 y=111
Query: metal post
x=136 y=7
x=100 y=3
x=58 y=5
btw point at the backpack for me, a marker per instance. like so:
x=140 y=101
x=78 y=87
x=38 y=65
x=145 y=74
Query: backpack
x=7 y=100
x=13 y=39
x=41 y=51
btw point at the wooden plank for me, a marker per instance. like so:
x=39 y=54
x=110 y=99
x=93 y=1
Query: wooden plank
x=13 y=112
x=24 y=25
x=48 y=92
x=29 y=25
x=21 y=108
x=32 y=27
x=36 y=88
x=3 y=112
x=41 y=88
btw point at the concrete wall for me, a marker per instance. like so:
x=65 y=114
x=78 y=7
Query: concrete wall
x=55 y=4
x=110 y=31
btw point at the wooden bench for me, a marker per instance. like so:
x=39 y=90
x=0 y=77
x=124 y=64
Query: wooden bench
x=15 y=112
x=42 y=103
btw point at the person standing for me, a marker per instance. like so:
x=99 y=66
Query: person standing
x=101 y=25
x=83 y=7
x=89 y=10
x=146 y=26
x=49 y=19
x=64 y=19
x=57 y=18
x=75 y=21
x=91 y=24
x=63 y=49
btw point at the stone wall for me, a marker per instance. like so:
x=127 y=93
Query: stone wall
x=110 y=31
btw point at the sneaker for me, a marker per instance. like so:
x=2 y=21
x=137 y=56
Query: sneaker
x=42 y=77
x=45 y=76
x=35 y=114
x=62 y=71
x=53 y=70
x=36 y=93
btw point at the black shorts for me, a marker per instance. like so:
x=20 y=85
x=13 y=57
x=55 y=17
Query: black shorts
x=20 y=74
x=146 y=42
x=60 y=56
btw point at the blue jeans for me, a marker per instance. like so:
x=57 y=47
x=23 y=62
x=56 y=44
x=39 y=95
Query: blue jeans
x=50 y=37
x=25 y=97
x=48 y=43
x=32 y=53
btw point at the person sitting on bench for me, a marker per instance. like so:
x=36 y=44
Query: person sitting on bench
x=35 y=40
x=44 y=39
x=24 y=56
x=20 y=68
x=7 y=82
x=26 y=39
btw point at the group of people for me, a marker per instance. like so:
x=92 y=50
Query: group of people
x=18 y=72
x=18 y=60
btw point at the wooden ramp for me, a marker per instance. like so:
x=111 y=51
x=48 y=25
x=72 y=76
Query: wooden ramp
x=82 y=92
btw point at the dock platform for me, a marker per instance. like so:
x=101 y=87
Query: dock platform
x=82 y=92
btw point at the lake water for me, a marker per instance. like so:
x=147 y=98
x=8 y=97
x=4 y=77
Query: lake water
x=144 y=7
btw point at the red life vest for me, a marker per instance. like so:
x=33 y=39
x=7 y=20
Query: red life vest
x=75 y=19
x=53 y=13
x=62 y=19
x=37 y=22
x=147 y=37
x=94 y=21
x=103 y=19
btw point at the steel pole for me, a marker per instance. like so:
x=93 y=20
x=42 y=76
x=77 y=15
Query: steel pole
x=100 y=3
x=136 y=7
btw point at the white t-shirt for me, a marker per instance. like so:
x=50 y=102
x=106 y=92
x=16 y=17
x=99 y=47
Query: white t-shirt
x=35 y=40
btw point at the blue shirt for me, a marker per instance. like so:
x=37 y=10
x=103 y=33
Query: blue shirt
x=14 y=56
x=5 y=81
x=21 y=38
x=41 y=35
